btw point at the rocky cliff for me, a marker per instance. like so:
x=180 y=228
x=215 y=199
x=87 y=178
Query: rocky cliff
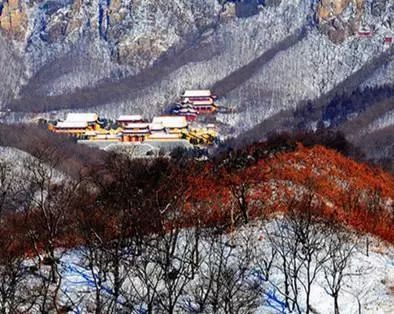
x=340 y=19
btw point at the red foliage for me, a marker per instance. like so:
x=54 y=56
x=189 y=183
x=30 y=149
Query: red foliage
x=209 y=195
x=355 y=193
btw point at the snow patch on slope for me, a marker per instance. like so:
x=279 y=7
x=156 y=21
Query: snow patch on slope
x=382 y=122
x=368 y=290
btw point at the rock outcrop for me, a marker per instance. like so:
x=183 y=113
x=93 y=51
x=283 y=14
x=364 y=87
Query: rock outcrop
x=134 y=33
x=14 y=19
x=339 y=18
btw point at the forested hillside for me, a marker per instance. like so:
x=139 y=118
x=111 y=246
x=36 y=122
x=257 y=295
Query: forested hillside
x=223 y=236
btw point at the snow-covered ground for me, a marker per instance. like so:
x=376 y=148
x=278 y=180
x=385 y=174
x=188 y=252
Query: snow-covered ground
x=367 y=289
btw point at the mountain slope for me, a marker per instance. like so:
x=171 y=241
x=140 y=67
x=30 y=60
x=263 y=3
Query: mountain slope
x=137 y=56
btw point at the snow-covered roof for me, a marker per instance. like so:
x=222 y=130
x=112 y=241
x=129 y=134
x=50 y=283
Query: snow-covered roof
x=185 y=106
x=156 y=126
x=187 y=110
x=197 y=93
x=82 y=117
x=136 y=126
x=172 y=122
x=130 y=118
x=71 y=125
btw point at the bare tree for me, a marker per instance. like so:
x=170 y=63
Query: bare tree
x=201 y=288
x=47 y=208
x=14 y=274
x=299 y=238
x=309 y=230
x=341 y=247
x=143 y=280
x=13 y=271
x=224 y=282
x=123 y=241
x=284 y=245
x=6 y=185
x=174 y=256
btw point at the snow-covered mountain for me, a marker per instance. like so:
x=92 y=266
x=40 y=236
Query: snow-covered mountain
x=262 y=58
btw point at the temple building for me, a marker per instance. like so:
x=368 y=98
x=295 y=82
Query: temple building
x=135 y=132
x=171 y=124
x=164 y=132
x=126 y=119
x=201 y=94
x=72 y=128
x=204 y=106
x=77 y=123
x=155 y=128
x=189 y=113
x=186 y=110
x=92 y=119
x=202 y=100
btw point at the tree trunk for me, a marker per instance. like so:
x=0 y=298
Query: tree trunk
x=336 y=305
x=367 y=246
